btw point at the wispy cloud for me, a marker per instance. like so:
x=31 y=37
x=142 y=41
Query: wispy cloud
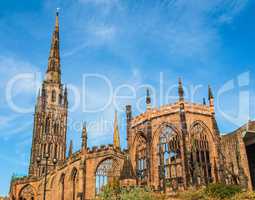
x=232 y=9
x=186 y=29
x=109 y=3
x=11 y=67
x=102 y=32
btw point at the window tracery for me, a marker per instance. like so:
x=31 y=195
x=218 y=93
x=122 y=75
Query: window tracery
x=200 y=166
x=170 y=159
x=141 y=160
x=106 y=172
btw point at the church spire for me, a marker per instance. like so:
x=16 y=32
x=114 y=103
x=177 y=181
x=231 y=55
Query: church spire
x=116 y=134
x=53 y=71
x=50 y=112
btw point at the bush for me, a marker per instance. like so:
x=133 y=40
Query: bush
x=244 y=196
x=192 y=195
x=137 y=194
x=114 y=192
x=217 y=192
x=221 y=191
x=110 y=191
x=211 y=192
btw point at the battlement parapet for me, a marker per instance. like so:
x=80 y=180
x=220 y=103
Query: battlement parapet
x=170 y=109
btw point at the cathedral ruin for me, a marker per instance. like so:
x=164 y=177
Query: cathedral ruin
x=174 y=147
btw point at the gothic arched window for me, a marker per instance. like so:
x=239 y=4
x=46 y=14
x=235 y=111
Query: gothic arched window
x=170 y=160
x=62 y=186
x=47 y=125
x=106 y=172
x=141 y=160
x=200 y=166
x=60 y=99
x=74 y=178
x=56 y=151
x=53 y=96
x=56 y=128
x=27 y=193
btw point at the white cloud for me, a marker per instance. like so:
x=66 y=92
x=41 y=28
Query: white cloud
x=104 y=32
x=4 y=120
x=231 y=10
x=96 y=35
x=186 y=29
x=11 y=67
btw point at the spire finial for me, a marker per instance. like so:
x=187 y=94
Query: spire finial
x=148 y=99
x=210 y=94
x=116 y=134
x=57 y=18
x=84 y=136
x=65 y=97
x=204 y=102
x=70 y=153
x=211 y=99
x=180 y=90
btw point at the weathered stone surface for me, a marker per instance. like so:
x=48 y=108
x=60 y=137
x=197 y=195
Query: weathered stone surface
x=174 y=147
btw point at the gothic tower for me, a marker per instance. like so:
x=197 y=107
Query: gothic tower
x=50 y=118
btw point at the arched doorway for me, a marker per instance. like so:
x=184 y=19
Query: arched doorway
x=200 y=165
x=106 y=173
x=170 y=160
x=27 y=193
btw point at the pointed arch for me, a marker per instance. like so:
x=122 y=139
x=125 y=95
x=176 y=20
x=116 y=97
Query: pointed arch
x=158 y=131
x=169 y=147
x=27 y=192
x=200 y=167
x=52 y=187
x=53 y=96
x=74 y=180
x=40 y=187
x=62 y=186
x=47 y=125
x=141 y=160
x=56 y=127
x=139 y=133
x=204 y=126
x=52 y=182
x=107 y=170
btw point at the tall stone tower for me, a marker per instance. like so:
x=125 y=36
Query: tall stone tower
x=50 y=118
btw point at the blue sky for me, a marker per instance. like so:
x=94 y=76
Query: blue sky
x=133 y=45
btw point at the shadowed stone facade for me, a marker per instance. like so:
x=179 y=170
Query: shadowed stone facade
x=174 y=147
